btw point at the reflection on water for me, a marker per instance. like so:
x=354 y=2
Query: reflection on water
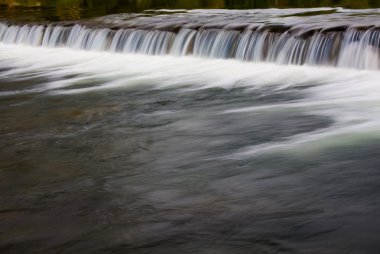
x=78 y=9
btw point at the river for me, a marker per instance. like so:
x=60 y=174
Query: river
x=190 y=131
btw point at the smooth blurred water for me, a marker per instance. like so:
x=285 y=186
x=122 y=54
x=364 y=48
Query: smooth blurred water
x=322 y=37
x=112 y=153
x=117 y=151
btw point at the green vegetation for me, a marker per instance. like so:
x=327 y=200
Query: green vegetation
x=142 y=4
x=75 y=9
x=236 y=4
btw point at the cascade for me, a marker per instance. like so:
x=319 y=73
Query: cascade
x=341 y=46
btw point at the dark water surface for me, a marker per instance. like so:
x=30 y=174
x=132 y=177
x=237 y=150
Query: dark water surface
x=155 y=169
x=113 y=152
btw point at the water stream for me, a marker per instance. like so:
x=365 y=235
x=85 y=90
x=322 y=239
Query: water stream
x=191 y=131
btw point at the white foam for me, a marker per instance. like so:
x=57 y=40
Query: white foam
x=353 y=48
x=350 y=97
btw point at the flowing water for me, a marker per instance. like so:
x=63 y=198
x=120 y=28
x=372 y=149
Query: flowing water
x=191 y=131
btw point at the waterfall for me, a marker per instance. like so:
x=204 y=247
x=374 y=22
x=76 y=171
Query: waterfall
x=341 y=46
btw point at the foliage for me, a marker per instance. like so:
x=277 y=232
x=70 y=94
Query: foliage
x=76 y=9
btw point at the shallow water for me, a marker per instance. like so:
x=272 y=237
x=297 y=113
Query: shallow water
x=113 y=152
